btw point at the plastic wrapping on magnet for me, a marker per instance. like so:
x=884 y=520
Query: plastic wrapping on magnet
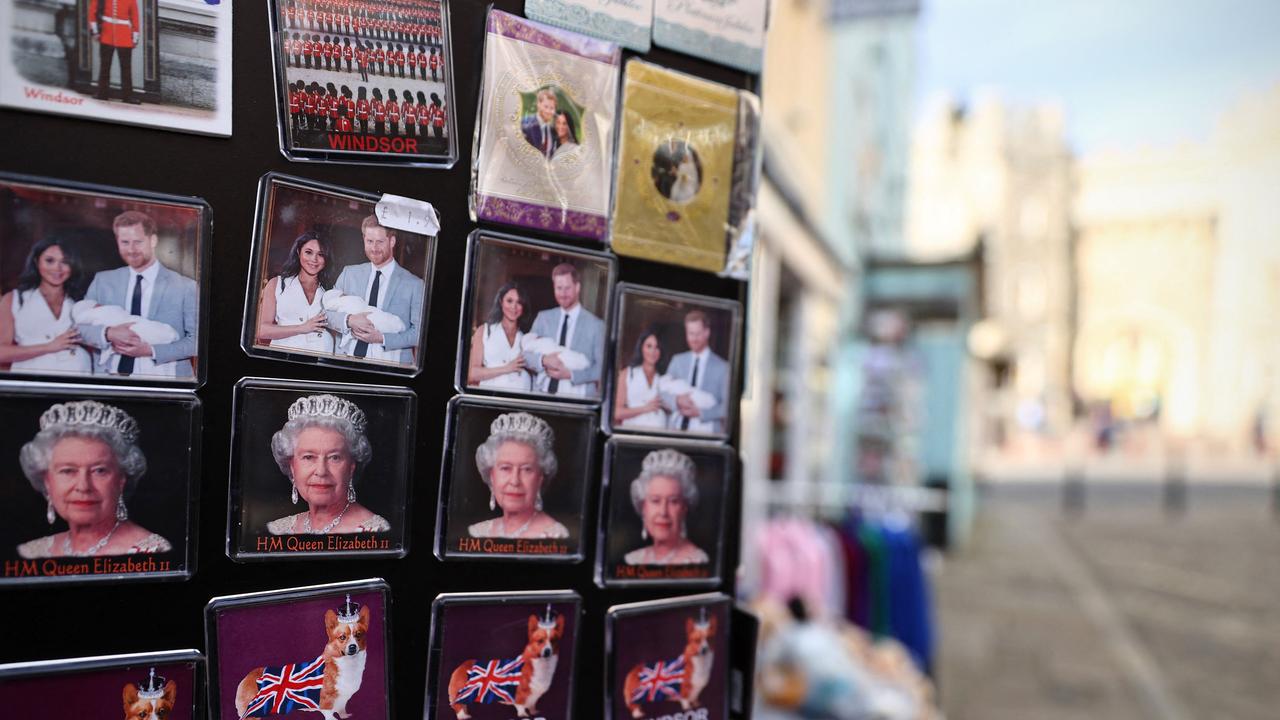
x=688 y=157
x=331 y=284
x=137 y=523
x=543 y=151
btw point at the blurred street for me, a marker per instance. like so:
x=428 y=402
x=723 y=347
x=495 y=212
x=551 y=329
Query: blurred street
x=1117 y=611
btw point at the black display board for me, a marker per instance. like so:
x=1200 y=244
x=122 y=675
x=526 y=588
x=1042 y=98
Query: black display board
x=98 y=620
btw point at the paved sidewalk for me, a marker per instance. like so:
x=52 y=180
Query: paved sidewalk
x=1122 y=612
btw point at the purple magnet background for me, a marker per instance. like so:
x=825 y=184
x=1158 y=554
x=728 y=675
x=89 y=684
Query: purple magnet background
x=660 y=635
x=92 y=694
x=293 y=631
x=485 y=632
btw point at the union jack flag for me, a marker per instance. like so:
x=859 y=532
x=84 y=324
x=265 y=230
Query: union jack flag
x=660 y=681
x=287 y=688
x=494 y=681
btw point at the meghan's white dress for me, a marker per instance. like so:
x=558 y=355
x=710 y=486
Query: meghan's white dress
x=34 y=323
x=639 y=392
x=498 y=352
x=292 y=308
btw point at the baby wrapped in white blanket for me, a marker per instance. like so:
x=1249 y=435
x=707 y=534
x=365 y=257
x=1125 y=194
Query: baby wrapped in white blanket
x=152 y=332
x=668 y=385
x=572 y=359
x=384 y=321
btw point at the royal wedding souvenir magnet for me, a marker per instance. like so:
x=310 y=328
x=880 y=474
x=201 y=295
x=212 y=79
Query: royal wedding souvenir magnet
x=99 y=483
x=534 y=321
x=339 y=277
x=143 y=686
x=675 y=167
x=319 y=470
x=102 y=284
x=662 y=512
x=543 y=154
x=365 y=82
x=495 y=656
x=729 y=32
x=514 y=482
x=668 y=659
x=321 y=649
x=675 y=363
x=139 y=62
x=626 y=22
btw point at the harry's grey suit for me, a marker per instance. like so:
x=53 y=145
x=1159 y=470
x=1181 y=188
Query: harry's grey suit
x=588 y=339
x=713 y=377
x=403 y=299
x=174 y=302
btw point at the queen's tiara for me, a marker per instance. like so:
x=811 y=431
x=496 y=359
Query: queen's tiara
x=153 y=689
x=90 y=413
x=349 y=612
x=669 y=462
x=548 y=620
x=522 y=424
x=328 y=406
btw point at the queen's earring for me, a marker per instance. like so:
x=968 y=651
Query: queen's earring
x=537 y=502
x=295 y=492
x=351 y=492
x=493 y=502
x=122 y=512
x=644 y=533
x=49 y=514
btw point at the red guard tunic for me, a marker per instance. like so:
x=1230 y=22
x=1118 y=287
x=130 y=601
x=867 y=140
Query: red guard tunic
x=295 y=103
x=435 y=62
x=380 y=56
x=393 y=111
x=413 y=61
x=309 y=103
x=334 y=104
x=362 y=110
x=362 y=57
x=438 y=117
x=422 y=59
x=118 y=23
x=347 y=53
x=410 y=112
x=306 y=48
x=344 y=124
x=379 y=111
x=290 y=14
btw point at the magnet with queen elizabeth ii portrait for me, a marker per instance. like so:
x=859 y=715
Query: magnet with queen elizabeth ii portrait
x=514 y=480
x=319 y=470
x=98 y=483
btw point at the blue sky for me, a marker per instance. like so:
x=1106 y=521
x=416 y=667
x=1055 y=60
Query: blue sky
x=1128 y=72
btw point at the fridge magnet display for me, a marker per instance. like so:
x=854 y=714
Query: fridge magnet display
x=675 y=362
x=101 y=282
x=628 y=23
x=515 y=483
x=544 y=147
x=339 y=276
x=668 y=659
x=151 y=686
x=319 y=470
x=99 y=483
x=365 y=82
x=729 y=32
x=534 y=318
x=676 y=168
x=321 y=649
x=140 y=62
x=495 y=656
x=662 y=512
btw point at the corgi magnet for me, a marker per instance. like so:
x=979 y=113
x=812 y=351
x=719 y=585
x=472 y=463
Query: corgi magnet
x=322 y=649
x=498 y=656
x=514 y=484
x=668 y=659
x=319 y=470
x=143 y=686
x=662 y=512
x=98 y=483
